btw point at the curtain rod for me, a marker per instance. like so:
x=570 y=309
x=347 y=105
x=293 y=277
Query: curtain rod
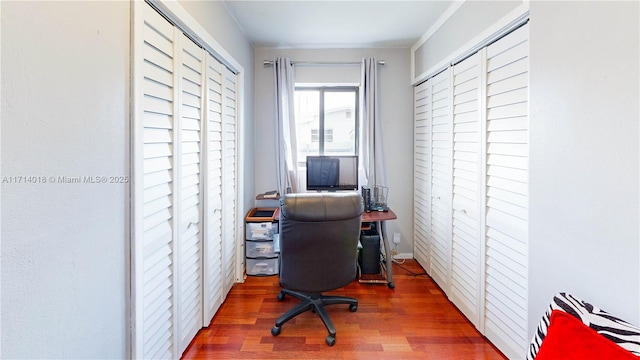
x=270 y=62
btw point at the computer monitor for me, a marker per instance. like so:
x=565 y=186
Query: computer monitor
x=330 y=173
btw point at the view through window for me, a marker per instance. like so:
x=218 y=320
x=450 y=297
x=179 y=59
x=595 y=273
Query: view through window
x=326 y=121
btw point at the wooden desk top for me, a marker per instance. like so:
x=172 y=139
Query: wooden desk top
x=378 y=216
x=366 y=216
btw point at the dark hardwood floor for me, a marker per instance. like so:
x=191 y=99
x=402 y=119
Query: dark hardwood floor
x=413 y=321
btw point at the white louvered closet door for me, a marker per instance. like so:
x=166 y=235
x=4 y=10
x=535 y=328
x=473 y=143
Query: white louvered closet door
x=184 y=149
x=507 y=193
x=213 y=192
x=441 y=153
x=422 y=173
x=229 y=173
x=155 y=271
x=190 y=240
x=467 y=240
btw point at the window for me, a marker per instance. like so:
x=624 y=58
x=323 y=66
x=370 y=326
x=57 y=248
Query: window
x=326 y=121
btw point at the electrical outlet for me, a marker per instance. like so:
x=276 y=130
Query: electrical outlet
x=396 y=238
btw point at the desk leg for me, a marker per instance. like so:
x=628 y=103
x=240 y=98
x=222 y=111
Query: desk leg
x=388 y=257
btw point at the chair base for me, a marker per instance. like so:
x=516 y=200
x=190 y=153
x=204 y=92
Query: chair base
x=315 y=303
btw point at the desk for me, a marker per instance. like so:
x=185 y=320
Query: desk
x=379 y=217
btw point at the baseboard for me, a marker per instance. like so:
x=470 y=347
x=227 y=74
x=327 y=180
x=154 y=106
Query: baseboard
x=401 y=256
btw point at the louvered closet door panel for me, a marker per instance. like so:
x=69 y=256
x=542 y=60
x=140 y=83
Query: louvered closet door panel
x=466 y=238
x=507 y=193
x=422 y=173
x=441 y=143
x=213 y=238
x=155 y=296
x=229 y=174
x=190 y=246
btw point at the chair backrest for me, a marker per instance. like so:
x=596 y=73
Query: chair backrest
x=319 y=235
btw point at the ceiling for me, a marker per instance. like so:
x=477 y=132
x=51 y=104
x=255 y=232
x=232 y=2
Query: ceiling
x=335 y=24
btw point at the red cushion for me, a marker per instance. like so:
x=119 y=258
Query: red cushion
x=568 y=338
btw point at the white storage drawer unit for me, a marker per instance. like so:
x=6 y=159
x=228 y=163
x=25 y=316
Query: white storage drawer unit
x=262 y=266
x=261 y=230
x=261 y=224
x=257 y=249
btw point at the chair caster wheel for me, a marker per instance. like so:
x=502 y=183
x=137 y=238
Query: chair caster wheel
x=281 y=296
x=391 y=285
x=275 y=331
x=330 y=340
x=353 y=308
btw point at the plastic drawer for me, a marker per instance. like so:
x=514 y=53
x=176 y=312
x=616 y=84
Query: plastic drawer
x=261 y=230
x=260 y=249
x=262 y=266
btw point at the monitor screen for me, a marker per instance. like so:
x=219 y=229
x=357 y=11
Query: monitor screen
x=332 y=173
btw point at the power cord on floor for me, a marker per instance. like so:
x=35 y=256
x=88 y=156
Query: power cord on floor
x=411 y=273
x=394 y=253
x=400 y=263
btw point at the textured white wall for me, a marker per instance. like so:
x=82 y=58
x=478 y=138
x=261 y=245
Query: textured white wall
x=584 y=209
x=396 y=99
x=0 y=188
x=65 y=74
x=471 y=19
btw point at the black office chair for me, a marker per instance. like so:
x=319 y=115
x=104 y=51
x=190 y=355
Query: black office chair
x=318 y=252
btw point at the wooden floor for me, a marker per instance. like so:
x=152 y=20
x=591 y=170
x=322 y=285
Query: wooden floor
x=412 y=321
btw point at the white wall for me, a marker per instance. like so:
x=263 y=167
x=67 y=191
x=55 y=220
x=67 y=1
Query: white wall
x=0 y=187
x=396 y=100
x=584 y=209
x=65 y=112
x=469 y=20
x=65 y=76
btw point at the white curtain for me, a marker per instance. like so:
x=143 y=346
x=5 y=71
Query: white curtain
x=286 y=149
x=372 y=170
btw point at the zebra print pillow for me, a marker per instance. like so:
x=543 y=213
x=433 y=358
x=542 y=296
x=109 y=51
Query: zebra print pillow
x=614 y=329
